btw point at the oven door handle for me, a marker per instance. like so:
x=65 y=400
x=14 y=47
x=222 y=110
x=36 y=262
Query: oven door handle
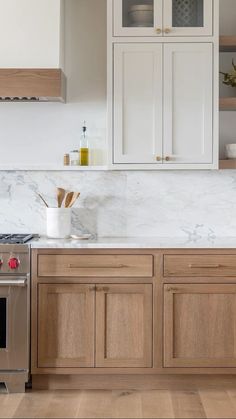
x=12 y=282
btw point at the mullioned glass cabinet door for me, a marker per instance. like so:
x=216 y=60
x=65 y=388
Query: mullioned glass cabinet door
x=137 y=17
x=188 y=17
x=162 y=17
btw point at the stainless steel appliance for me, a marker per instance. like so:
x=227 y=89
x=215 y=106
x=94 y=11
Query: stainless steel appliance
x=14 y=311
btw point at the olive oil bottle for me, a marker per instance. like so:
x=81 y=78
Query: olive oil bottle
x=84 y=147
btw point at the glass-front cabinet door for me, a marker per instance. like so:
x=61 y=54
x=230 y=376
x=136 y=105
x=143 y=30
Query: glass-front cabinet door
x=187 y=17
x=137 y=17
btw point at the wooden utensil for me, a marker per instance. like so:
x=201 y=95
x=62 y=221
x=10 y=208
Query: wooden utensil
x=68 y=199
x=40 y=196
x=74 y=198
x=61 y=193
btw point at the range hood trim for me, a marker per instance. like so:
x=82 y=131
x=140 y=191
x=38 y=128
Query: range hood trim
x=32 y=85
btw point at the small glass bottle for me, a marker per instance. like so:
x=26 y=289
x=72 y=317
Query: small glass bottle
x=84 y=147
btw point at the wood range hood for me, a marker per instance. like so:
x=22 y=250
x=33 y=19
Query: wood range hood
x=41 y=85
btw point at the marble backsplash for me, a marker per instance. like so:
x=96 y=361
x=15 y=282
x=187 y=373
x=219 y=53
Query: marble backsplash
x=118 y=204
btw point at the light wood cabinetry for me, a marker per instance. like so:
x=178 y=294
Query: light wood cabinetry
x=178 y=319
x=87 y=323
x=203 y=265
x=199 y=325
x=95 y=265
x=124 y=325
x=66 y=316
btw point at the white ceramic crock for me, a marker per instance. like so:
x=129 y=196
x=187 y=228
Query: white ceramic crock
x=58 y=223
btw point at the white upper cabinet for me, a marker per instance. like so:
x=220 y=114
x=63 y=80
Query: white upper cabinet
x=162 y=17
x=188 y=101
x=138 y=103
x=175 y=89
x=31 y=33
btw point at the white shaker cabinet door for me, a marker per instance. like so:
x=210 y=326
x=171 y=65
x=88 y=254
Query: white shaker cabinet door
x=188 y=103
x=188 y=17
x=137 y=103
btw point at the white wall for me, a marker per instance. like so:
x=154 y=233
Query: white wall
x=40 y=133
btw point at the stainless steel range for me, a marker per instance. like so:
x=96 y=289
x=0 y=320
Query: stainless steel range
x=14 y=311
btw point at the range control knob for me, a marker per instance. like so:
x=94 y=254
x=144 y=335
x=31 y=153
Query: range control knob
x=13 y=263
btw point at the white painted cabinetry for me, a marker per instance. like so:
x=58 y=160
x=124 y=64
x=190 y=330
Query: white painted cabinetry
x=163 y=17
x=137 y=102
x=187 y=103
x=162 y=87
x=31 y=33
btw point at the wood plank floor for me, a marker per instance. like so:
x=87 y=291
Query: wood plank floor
x=119 y=404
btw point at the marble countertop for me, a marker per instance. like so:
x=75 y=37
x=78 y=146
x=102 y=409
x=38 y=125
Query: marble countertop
x=136 y=243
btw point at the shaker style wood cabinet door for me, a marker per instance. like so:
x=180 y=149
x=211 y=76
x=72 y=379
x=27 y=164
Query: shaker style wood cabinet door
x=199 y=325
x=188 y=17
x=66 y=326
x=137 y=103
x=124 y=325
x=133 y=18
x=188 y=103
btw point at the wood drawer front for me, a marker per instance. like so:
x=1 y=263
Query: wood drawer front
x=95 y=265
x=199 y=265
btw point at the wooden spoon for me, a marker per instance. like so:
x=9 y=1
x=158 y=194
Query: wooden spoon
x=74 y=198
x=60 y=196
x=69 y=197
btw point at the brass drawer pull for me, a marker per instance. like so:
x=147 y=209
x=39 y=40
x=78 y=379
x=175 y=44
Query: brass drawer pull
x=71 y=266
x=158 y=31
x=192 y=266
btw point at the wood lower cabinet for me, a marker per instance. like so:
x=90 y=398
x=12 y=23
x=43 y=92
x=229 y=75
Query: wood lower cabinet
x=200 y=325
x=66 y=316
x=124 y=325
x=180 y=320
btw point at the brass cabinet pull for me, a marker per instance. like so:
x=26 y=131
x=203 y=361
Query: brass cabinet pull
x=158 y=158
x=158 y=31
x=167 y=30
x=167 y=158
x=71 y=266
x=192 y=266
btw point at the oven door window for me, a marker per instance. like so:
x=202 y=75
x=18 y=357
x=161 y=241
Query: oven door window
x=3 y=323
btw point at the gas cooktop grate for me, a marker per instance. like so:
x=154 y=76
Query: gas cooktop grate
x=15 y=238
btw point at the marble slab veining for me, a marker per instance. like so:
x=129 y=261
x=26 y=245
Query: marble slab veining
x=136 y=243
x=187 y=204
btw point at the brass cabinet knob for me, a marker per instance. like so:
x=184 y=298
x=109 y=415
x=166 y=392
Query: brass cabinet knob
x=158 y=31
x=158 y=158
x=167 y=30
x=167 y=158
